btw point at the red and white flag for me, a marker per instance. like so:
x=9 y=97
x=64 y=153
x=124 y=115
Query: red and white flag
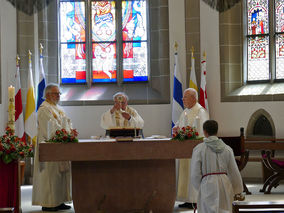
x=203 y=93
x=19 y=118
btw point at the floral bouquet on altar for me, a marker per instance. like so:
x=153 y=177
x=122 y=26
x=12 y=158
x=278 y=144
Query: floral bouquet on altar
x=64 y=136
x=186 y=133
x=12 y=148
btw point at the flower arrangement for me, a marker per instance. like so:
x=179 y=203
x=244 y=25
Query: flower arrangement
x=64 y=136
x=12 y=148
x=186 y=133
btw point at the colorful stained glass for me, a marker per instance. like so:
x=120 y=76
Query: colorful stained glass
x=135 y=63
x=73 y=67
x=72 y=22
x=134 y=20
x=103 y=21
x=104 y=62
x=258 y=58
x=279 y=15
x=104 y=41
x=72 y=42
x=135 y=54
x=257 y=17
x=279 y=56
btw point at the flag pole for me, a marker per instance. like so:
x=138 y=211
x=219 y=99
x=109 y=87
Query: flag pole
x=18 y=60
x=192 y=51
x=176 y=46
x=30 y=55
x=204 y=55
x=40 y=48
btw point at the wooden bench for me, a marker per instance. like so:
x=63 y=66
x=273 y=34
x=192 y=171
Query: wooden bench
x=237 y=143
x=6 y=210
x=261 y=206
x=268 y=145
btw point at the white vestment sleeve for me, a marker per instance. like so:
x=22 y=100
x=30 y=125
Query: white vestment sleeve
x=203 y=116
x=106 y=120
x=44 y=115
x=177 y=124
x=195 y=169
x=136 y=120
x=234 y=174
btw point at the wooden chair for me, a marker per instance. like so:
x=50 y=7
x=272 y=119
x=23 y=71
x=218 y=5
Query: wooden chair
x=237 y=143
x=277 y=167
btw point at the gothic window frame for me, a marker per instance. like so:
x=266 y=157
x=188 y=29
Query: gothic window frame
x=155 y=91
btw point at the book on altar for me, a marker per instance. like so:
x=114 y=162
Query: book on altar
x=123 y=132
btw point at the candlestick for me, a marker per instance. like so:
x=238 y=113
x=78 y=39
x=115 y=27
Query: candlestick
x=11 y=107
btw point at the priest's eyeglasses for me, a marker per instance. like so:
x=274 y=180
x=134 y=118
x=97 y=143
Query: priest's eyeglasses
x=55 y=93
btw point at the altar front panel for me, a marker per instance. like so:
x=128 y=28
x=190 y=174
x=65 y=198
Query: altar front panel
x=137 y=175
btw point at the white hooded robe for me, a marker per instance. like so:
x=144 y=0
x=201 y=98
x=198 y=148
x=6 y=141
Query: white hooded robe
x=216 y=191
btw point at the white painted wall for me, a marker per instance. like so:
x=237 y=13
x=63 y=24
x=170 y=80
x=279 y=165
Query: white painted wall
x=230 y=115
x=8 y=39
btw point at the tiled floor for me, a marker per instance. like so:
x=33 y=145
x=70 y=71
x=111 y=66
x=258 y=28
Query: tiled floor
x=276 y=195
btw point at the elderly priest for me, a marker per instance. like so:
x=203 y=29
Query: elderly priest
x=51 y=181
x=194 y=115
x=121 y=115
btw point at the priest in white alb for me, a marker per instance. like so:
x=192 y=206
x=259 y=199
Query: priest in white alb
x=194 y=115
x=51 y=180
x=121 y=115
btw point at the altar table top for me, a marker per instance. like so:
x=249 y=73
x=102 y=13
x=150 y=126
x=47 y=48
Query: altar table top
x=109 y=149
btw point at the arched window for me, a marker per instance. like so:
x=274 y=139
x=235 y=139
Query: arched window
x=103 y=41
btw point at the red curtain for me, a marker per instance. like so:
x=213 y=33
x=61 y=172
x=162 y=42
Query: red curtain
x=9 y=186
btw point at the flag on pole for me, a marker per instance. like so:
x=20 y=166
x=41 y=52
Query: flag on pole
x=192 y=81
x=177 y=106
x=41 y=84
x=30 y=115
x=203 y=93
x=19 y=118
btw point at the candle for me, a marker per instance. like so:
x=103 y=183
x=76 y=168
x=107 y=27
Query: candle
x=11 y=107
x=185 y=119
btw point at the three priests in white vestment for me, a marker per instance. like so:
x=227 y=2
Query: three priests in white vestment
x=214 y=173
x=51 y=180
x=121 y=115
x=194 y=115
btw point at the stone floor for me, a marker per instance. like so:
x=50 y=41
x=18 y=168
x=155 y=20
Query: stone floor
x=277 y=194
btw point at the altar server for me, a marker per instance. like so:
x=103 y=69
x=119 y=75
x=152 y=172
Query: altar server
x=194 y=115
x=121 y=115
x=214 y=173
x=51 y=180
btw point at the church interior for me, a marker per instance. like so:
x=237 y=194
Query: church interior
x=238 y=97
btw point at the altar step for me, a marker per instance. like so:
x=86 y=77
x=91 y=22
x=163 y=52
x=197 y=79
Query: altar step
x=278 y=193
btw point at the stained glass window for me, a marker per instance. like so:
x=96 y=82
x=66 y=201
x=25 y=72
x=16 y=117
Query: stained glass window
x=258 y=40
x=265 y=59
x=279 y=16
x=72 y=42
x=117 y=51
x=134 y=28
x=258 y=58
x=104 y=41
x=257 y=17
